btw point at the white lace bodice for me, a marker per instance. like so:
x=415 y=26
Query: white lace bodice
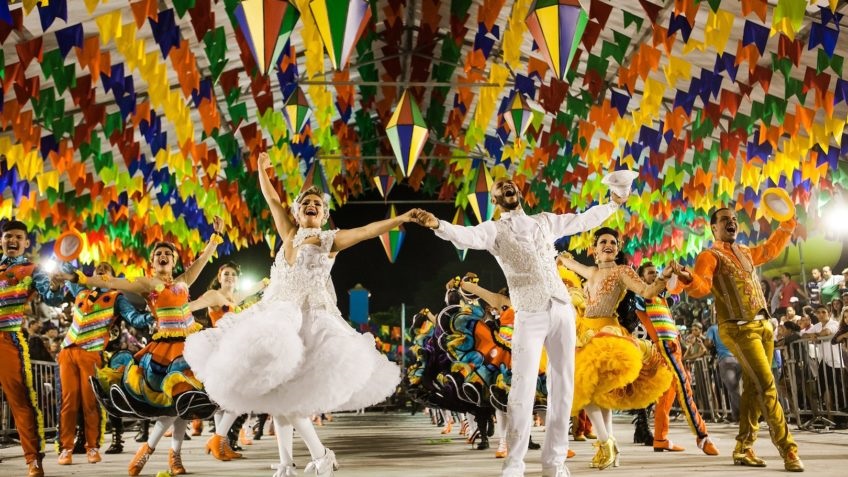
x=307 y=282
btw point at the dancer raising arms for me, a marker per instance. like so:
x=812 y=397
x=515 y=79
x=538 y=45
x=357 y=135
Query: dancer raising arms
x=612 y=370
x=221 y=299
x=524 y=247
x=292 y=354
x=157 y=382
x=728 y=271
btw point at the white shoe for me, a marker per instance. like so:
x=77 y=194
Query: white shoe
x=284 y=470
x=558 y=471
x=324 y=466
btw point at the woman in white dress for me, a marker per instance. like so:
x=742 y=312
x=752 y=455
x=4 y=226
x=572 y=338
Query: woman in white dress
x=292 y=354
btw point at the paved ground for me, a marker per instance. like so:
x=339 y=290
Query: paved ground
x=395 y=445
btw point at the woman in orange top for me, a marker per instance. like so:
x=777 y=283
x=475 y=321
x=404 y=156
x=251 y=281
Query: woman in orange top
x=222 y=299
x=157 y=381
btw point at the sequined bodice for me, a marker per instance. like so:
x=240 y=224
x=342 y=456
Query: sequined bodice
x=603 y=298
x=307 y=281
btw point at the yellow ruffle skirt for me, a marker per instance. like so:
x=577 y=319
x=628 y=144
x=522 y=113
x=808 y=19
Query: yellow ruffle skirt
x=614 y=370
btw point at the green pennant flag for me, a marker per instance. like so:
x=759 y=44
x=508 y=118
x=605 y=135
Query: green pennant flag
x=182 y=6
x=215 y=42
x=632 y=18
x=114 y=122
x=823 y=62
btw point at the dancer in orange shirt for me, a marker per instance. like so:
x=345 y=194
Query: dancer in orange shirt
x=95 y=311
x=20 y=279
x=728 y=271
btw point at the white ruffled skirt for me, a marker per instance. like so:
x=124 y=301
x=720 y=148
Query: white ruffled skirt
x=275 y=359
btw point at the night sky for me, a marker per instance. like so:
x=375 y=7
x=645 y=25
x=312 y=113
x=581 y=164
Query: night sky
x=417 y=278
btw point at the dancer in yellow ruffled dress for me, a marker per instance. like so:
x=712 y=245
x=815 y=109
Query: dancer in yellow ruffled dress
x=612 y=369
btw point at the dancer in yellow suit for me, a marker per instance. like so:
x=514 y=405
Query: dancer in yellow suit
x=728 y=271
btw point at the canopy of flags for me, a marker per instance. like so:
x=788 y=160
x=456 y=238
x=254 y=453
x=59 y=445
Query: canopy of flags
x=136 y=121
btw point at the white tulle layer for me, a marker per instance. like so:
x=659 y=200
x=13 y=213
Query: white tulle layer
x=272 y=358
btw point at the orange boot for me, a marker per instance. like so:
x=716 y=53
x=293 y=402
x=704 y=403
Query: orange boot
x=229 y=452
x=140 y=458
x=244 y=439
x=196 y=427
x=175 y=463
x=215 y=446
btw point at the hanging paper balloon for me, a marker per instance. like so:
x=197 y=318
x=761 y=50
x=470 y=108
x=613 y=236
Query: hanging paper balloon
x=519 y=115
x=557 y=26
x=393 y=239
x=340 y=24
x=479 y=198
x=267 y=26
x=384 y=180
x=316 y=177
x=296 y=112
x=69 y=246
x=460 y=218
x=407 y=133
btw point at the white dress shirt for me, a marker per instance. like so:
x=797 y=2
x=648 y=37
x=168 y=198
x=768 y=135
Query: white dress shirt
x=828 y=352
x=524 y=247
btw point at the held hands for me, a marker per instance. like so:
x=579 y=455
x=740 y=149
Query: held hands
x=424 y=218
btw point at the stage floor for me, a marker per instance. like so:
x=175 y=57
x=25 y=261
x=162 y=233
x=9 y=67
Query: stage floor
x=394 y=445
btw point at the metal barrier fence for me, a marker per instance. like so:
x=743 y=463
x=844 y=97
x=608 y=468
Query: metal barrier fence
x=811 y=384
x=45 y=380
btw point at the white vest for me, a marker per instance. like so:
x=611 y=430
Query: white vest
x=529 y=267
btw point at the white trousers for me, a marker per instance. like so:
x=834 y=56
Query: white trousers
x=555 y=329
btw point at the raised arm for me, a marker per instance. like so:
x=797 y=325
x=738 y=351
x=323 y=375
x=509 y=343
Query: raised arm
x=350 y=237
x=282 y=221
x=775 y=244
x=478 y=237
x=572 y=224
x=209 y=299
x=193 y=270
x=567 y=260
x=258 y=287
x=496 y=300
x=141 y=285
x=635 y=284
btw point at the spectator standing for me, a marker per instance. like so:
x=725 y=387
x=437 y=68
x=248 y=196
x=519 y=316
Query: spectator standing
x=790 y=290
x=832 y=364
x=695 y=347
x=728 y=369
x=830 y=285
x=813 y=290
x=776 y=290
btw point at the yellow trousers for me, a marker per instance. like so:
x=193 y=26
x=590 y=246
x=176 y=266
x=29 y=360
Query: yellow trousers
x=753 y=345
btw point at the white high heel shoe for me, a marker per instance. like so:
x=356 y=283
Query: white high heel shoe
x=325 y=465
x=284 y=470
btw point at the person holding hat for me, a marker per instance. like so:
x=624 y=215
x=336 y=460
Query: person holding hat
x=157 y=382
x=544 y=316
x=727 y=270
x=20 y=279
x=95 y=311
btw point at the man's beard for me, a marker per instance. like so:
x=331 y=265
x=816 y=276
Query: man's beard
x=501 y=202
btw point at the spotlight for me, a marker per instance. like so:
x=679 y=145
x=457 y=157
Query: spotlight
x=247 y=282
x=49 y=266
x=837 y=219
